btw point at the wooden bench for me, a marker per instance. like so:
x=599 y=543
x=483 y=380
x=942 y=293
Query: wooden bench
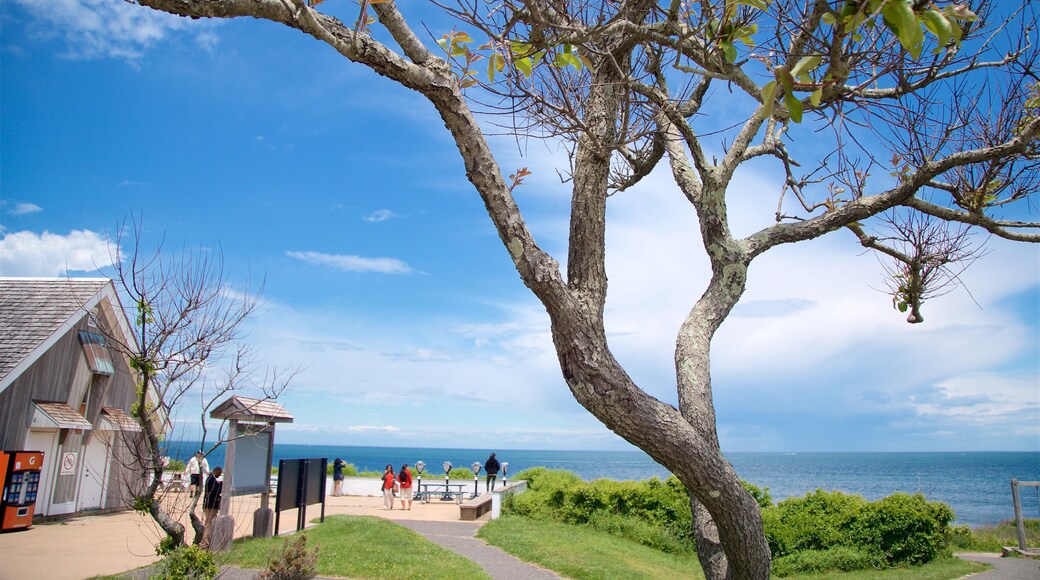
x=474 y=508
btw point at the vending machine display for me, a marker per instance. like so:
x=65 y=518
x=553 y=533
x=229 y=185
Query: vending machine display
x=21 y=487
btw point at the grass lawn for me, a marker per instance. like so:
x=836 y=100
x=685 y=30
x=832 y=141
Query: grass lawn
x=369 y=547
x=944 y=569
x=364 y=547
x=581 y=552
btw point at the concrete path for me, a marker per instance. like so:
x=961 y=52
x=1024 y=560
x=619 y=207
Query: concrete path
x=460 y=537
x=1004 y=568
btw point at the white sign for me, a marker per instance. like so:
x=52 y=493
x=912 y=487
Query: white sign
x=68 y=463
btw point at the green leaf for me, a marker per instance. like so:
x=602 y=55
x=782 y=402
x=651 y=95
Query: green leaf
x=467 y=82
x=900 y=18
x=938 y=25
x=816 y=97
x=729 y=51
x=794 y=106
x=768 y=99
x=495 y=64
x=804 y=65
x=783 y=76
x=829 y=19
x=520 y=49
x=524 y=65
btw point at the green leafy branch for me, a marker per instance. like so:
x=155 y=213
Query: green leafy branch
x=908 y=20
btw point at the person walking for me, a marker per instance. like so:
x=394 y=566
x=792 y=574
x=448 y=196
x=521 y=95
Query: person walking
x=197 y=469
x=491 y=466
x=388 y=487
x=404 y=479
x=211 y=503
x=337 y=477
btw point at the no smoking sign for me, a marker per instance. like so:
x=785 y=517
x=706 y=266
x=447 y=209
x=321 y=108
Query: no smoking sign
x=68 y=463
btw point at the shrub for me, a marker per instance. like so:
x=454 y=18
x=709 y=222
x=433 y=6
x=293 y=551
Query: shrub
x=900 y=529
x=838 y=559
x=349 y=470
x=761 y=494
x=186 y=563
x=906 y=528
x=654 y=513
x=294 y=562
x=175 y=465
x=818 y=521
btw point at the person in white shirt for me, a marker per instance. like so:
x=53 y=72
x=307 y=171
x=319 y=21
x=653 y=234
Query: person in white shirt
x=197 y=469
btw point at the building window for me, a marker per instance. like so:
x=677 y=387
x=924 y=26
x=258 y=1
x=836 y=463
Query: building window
x=98 y=358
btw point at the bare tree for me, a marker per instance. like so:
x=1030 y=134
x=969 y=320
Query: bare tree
x=187 y=320
x=928 y=110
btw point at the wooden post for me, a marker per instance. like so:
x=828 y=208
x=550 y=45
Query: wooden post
x=1019 y=524
x=224 y=525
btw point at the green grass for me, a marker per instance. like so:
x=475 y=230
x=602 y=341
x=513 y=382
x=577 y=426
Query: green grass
x=993 y=538
x=581 y=552
x=942 y=569
x=364 y=547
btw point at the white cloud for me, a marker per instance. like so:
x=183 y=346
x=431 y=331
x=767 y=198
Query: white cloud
x=381 y=215
x=25 y=208
x=984 y=398
x=46 y=254
x=349 y=263
x=109 y=28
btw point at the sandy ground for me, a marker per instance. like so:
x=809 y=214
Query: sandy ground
x=87 y=546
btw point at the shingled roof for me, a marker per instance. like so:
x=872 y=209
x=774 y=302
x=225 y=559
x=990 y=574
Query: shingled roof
x=34 y=310
x=250 y=409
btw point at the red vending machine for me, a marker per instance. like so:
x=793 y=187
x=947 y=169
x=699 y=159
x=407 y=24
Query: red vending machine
x=21 y=484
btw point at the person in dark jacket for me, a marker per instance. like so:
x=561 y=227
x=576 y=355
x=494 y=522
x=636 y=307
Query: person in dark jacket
x=211 y=503
x=337 y=477
x=491 y=466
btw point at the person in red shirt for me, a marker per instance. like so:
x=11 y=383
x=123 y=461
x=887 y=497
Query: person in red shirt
x=404 y=478
x=388 y=487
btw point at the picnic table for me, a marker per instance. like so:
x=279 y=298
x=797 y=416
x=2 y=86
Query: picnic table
x=446 y=491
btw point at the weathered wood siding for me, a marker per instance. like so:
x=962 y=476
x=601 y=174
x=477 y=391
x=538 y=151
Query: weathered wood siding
x=61 y=375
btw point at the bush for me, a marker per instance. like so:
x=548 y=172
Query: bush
x=818 y=521
x=174 y=466
x=761 y=494
x=186 y=563
x=839 y=559
x=651 y=512
x=349 y=470
x=294 y=562
x=899 y=529
x=908 y=529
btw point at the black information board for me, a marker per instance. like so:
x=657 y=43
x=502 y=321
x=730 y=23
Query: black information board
x=301 y=482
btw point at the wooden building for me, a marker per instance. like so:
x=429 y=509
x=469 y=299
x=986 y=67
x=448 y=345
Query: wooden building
x=67 y=391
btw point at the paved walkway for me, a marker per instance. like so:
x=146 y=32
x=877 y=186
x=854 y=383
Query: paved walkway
x=1004 y=568
x=460 y=537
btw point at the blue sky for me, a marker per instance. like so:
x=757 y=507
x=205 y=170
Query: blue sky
x=386 y=282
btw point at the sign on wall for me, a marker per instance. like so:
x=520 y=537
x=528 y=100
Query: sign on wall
x=68 y=463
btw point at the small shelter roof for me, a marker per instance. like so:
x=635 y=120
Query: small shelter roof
x=251 y=410
x=119 y=420
x=58 y=416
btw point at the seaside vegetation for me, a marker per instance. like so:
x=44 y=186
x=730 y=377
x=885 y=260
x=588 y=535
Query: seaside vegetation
x=823 y=531
x=994 y=538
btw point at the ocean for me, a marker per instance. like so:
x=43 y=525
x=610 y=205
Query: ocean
x=977 y=485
